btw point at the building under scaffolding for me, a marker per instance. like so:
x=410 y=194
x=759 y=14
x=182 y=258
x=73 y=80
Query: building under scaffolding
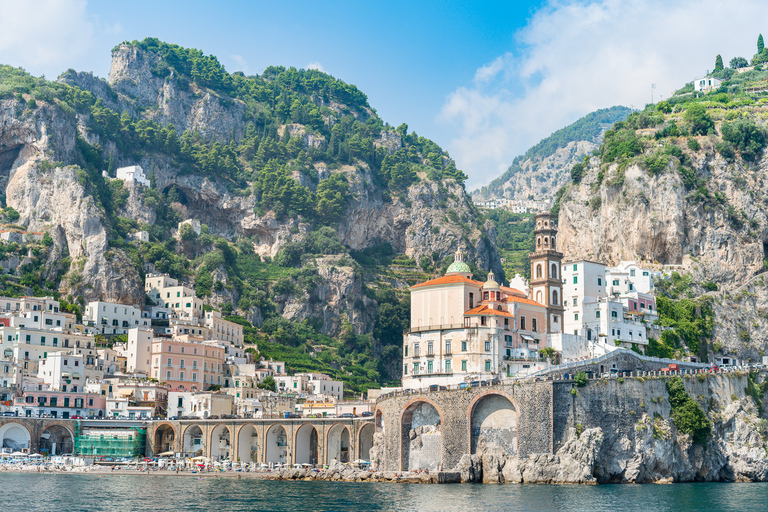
x=113 y=442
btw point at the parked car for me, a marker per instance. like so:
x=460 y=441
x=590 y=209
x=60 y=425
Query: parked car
x=76 y=417
x=347 y=415
x=365 y=414
x=671 y=368
x=463 y=385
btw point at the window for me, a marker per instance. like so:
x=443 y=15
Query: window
x=429 y=366
x=169 y=362
x=554 y=296
x=618 y=333
x=522 y=323
x=448 y=346
x=471 y=300
x=575 y=316
x=538 y=270
x=447 y=366
x=574 y=267
x=29 y=338
x=632 y=273
x=615 y=282
x=554 y=271
x=463 y=346
x=430 y=349
x=42 y=340
x=645 y=274
x=415 y=350
x=406 y=351
x=631 y=287
x=487 y=366
x=415 y=368
x=55 y=342
x=487 y=346
x=533 y=324
x=614 y=314
x=181 y=364
x=599 y=281
x=575 y=279
x=168 y=375
x=181 y=375
x=463 y=366
x=482 y=320
x=597 y=314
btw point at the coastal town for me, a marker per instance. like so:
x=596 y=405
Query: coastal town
x=122 y=372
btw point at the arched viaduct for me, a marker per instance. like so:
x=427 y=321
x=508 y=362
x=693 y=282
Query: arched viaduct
x=35 y=435
x=429 y=430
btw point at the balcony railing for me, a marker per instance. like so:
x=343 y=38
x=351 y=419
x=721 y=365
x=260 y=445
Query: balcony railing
x=436 y=327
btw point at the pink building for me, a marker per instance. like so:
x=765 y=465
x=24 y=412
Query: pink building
x=185 y=363
x=59 y=404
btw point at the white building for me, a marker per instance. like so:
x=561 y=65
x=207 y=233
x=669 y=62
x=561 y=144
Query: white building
x=321 y=384
x=166 y=291
x=136 y=350
x=132 y=173
x=64 y=371
x=113 y=318
x=199 y=404
x=706 y=84
x=628 y=277
x=583 y=282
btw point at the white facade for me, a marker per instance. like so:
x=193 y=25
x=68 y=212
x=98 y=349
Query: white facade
x=136 y=350
x=165 y=291
x=583 y=282
x=113 y=318
x=321 y=384
x=132 y=173
x=629 y=277
x=706 y=84
x=64 y=371
x=199 y=404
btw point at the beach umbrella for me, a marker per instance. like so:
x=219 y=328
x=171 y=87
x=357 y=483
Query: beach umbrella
x=18 y=454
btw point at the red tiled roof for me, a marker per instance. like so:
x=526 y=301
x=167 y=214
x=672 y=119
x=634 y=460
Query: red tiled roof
x=512 y=291
x=485 y=310
x=447 y=280
x=522 y=300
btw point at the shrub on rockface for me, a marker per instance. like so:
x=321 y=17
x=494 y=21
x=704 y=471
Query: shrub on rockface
x=687 y=414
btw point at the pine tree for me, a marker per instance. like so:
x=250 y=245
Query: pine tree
x=760 y=44
x=718 y=63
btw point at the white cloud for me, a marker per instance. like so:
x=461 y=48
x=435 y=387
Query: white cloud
x=240 y=62
x=44 y=36
x=575 y=57
x=316 y=65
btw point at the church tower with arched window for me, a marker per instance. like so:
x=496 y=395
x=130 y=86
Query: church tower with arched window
x=546 y=285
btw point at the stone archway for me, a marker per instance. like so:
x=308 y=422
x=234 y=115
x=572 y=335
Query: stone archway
x=220 y=442
x=493 y=425
x=337 y=443
x=15 y=436
x=422 y=441
x=276 y=445
x=305 y=446
x=165 y=435
x=248 y=444
x=56 y=440
x=193 y=441
x=365 y=440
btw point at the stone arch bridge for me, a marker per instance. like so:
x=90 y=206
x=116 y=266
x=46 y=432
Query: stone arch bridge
x=432 y=430
x=292 y=441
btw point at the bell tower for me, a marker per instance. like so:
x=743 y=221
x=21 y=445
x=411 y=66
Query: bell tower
x=546 y=285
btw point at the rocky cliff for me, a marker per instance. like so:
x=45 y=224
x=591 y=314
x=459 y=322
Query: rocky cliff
x=628 y=436
x=197 y=136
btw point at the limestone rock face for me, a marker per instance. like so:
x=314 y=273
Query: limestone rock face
x=541 y=178
x=53 y=200
x=716 y=233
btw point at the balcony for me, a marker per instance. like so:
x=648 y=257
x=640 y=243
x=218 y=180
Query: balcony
x=436 y=327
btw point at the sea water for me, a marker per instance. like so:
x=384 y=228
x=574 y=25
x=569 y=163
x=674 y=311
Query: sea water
x=51 y=492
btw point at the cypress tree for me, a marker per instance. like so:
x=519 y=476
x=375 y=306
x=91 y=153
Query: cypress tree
x=760 y=44
x=718 y=63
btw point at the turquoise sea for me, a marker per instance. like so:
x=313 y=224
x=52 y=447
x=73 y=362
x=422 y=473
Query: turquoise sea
x=159 y=493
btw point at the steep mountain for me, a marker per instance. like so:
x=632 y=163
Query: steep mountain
x=314 y=213
x=682 y=186
x=543 y=169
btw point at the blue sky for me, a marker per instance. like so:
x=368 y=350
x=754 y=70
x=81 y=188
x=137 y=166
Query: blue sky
x=485 y=80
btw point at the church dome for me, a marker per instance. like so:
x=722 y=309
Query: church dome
x=491 y=283
x=458 y=266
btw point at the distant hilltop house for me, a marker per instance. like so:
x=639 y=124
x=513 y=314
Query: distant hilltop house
x=139 y=236
x=132 y=173
x=706 y=84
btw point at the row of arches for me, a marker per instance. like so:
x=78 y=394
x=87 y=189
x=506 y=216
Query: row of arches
x=492 y=423
x=277 y=444
x=54 y=440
